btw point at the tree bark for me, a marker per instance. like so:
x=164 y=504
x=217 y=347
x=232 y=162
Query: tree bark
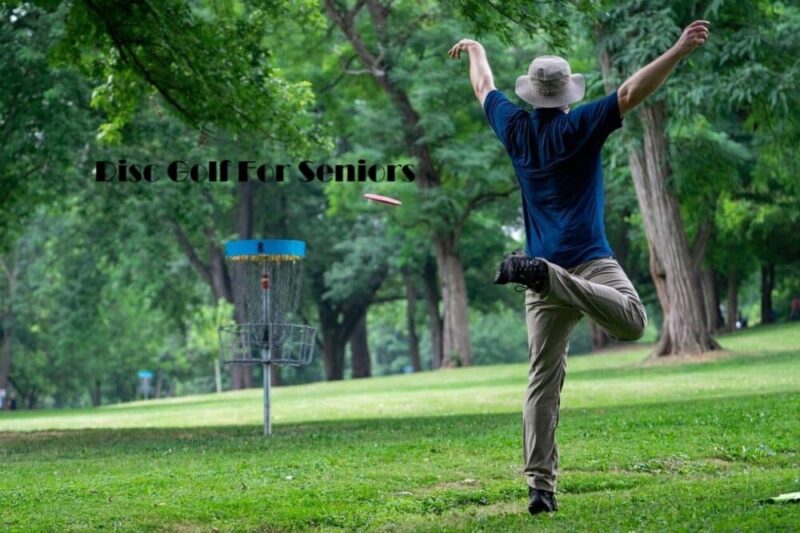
x=456 y=349
x=600 y=339
x=713 y=317
x=411 y=312
x=359 y=350
x=245 y=196
x=429 y=278
x=332 y=345
x=733 y=299
x=671 y=264
x=767 y=284
x=96 y=393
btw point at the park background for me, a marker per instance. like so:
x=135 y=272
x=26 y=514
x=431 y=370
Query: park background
x=99 y=281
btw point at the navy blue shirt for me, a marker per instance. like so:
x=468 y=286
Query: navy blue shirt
x=556 y=157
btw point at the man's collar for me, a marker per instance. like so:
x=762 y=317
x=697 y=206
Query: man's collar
x=547 y=111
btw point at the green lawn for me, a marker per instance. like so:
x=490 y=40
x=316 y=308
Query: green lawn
x=644 y=447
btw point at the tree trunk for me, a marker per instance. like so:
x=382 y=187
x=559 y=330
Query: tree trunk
x=159 y=385
x=359 y=350
x=337 y=321
x=733 y=300
x=430 y=278
x=5 y=355
x=332 y=344
x=96 y=393
x=11 y=272
x=713 y=317
x=767 y=284
x=671 y=265
x=411 y=312
x=215 y=273
x=31 y=398
x=333 y=355
x=600 y=339
x=455 y=340
x=333 y=358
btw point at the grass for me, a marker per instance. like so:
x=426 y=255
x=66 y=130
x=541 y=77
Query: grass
x=644 y=447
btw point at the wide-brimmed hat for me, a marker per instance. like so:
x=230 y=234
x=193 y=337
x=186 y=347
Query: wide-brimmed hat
x=550 y=83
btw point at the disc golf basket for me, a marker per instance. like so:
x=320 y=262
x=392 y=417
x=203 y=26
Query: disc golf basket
x=266 y=276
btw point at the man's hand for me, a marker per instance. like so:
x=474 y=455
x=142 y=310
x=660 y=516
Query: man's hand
x=694 y=35
x=480 y=74
x=462 y=46
x=648 y=79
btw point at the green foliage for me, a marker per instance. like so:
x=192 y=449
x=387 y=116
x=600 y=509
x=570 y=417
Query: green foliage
x=707 y=162
x=209 y=61
x=548 y=19
x=43 y=118
x=499 y=337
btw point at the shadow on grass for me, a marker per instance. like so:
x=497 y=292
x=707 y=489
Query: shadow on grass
x=683 y=419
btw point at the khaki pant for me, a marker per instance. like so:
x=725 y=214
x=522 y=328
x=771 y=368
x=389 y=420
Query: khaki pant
x=598 y=289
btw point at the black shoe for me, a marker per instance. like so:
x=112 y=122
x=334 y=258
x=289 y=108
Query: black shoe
x=517 y=267
x=541 y=501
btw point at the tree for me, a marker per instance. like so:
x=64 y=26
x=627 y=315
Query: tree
x=673 y=264
x=392 y=45
x=212 y=66
x=344 y=284
x=43 y=123
x=630 y=35
x=44 y=118
x=210 y=62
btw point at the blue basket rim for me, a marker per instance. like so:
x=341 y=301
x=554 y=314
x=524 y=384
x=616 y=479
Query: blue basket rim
x=256 y=247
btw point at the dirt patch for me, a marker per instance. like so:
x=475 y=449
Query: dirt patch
x=462 y=484
x=705 y=357
x=32 y=436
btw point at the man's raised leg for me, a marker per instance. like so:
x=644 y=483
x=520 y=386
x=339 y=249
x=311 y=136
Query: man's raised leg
x=600 y=290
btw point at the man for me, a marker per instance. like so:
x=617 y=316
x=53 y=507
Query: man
x=568 y=267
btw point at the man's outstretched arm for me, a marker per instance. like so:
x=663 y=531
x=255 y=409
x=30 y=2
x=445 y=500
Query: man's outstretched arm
x=648 y=79
x=480 y=74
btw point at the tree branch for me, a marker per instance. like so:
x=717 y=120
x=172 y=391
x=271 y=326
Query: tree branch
x=131 y=57
x=386 y=299
x=479 y=200
x=191 y=254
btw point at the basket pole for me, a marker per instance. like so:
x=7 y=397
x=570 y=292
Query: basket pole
x=267 y=394
x=265 y=351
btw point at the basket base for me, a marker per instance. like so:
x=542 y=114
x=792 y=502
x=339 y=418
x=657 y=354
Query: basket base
x=267 y=344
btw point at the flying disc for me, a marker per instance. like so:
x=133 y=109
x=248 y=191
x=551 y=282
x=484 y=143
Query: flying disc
x=382 y=199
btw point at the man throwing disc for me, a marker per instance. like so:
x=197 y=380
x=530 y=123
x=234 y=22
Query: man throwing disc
x=568 y=267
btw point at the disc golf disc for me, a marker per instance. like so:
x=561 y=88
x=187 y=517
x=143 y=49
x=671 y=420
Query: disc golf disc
x=382 y=199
